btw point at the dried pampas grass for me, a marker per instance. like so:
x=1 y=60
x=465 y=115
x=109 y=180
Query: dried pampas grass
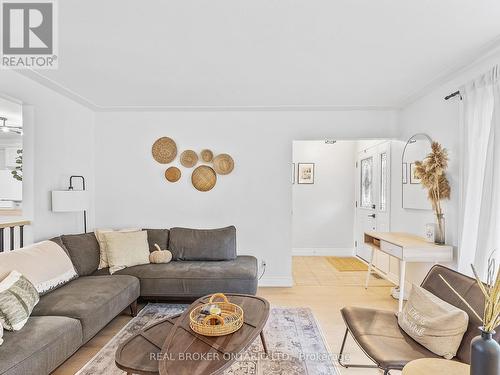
x=432 y=173
x=491 y=292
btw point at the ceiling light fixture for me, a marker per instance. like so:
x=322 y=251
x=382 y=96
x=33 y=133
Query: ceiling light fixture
x=10 y=129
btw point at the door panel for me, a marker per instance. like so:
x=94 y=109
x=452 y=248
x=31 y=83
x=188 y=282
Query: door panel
x=373 y=199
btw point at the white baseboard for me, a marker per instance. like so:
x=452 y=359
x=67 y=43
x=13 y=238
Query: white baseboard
x=276 y=282
x=323 y=251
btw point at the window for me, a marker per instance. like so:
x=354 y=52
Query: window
x=367 y=183
x=383 y=182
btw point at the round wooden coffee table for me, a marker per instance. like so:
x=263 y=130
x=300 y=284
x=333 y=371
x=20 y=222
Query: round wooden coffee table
x=435 y=366
x=155 y=349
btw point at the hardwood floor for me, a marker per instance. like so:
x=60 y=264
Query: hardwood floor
x=318 y=286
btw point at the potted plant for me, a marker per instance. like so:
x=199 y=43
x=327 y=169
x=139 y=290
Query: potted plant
x=485 y=350
x=17 y=173
x=432 y=173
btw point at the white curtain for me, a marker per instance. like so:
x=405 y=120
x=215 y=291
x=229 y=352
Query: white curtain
x=480 y=234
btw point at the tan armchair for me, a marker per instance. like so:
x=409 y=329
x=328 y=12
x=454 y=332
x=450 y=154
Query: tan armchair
x=378 y=334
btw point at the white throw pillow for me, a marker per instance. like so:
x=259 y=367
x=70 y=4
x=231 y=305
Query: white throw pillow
x=99 y=234
x=45 y=264
x=17 y=298
x=433 y=323
x=126 y=249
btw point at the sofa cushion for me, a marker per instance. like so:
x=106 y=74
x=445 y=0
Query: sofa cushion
x=203 y=244
x=193 y=279
x=46 y=264
x=83 y=250
x=378 y=333
x=103 y=251
x=126 y=249
x=41 y=346
x=157 y=236
x=93 y=300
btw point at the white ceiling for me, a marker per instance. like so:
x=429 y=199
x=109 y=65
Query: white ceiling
x=265 y=53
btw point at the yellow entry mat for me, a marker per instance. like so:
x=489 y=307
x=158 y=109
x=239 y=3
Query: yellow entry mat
x=347 y=264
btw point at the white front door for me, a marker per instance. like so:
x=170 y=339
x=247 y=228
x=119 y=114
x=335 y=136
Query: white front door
x=373 y=199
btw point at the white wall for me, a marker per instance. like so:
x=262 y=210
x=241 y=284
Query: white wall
x=440 y=119
x=323 y=212
x=58 y=142
x=256 y=197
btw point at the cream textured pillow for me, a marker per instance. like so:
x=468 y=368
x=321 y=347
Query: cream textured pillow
x=126 y=249
x=99 y=234
x=433 y=323
x=17 y=299
x=45 y=264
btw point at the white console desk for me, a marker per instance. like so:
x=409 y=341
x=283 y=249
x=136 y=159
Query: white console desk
x=407 y=248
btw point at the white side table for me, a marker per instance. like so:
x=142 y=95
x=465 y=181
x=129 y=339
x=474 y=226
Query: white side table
x=407 y=248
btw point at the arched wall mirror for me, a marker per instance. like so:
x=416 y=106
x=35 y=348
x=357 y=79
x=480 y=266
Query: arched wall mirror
x=413 y=195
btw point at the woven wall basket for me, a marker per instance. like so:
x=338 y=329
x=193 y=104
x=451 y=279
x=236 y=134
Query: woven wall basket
x=173 y=174
x=164 y=150
x=223 y=164
x=207 y=155
x=204 y=178
x=189 y=158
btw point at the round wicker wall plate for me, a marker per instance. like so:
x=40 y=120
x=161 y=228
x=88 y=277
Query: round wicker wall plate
x=189 y=158
x=164 y=150
x=223 y=164
x=204 y=178
x=207 y=155
x=173 y=174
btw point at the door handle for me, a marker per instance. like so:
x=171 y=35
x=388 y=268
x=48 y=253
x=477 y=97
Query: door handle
x=372 y=215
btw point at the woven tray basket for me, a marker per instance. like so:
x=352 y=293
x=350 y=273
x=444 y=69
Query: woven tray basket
x=230 y=320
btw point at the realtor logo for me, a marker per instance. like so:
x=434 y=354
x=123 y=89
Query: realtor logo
x=28 y=35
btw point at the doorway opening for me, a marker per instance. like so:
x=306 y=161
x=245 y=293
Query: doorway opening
x=340 y=190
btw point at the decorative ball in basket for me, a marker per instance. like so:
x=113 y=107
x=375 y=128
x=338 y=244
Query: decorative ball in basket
x=218 y=317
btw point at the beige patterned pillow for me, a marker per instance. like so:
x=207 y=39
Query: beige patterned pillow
x=433 y=323
x=99 y=234
x=17 y=299
x=126 y=249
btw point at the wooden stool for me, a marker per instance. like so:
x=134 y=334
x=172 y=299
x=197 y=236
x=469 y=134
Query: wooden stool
x=435 y=366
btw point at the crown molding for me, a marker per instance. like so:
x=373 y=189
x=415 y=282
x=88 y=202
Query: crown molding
x=10 y=98
x=63 y=90
x=57 y=87
x=257 y=108
x=447 y=75
x=480 y=55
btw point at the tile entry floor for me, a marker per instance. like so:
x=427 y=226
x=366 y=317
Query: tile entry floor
x=318 y=286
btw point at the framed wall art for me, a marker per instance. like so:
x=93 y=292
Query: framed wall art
x=305 y=173
x=413 y=177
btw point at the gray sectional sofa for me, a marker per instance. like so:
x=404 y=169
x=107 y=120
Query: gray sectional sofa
x=205 y=262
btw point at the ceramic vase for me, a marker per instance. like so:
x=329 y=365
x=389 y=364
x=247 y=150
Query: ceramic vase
x=485 y=354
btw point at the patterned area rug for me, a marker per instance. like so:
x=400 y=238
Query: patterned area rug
x=293 y=336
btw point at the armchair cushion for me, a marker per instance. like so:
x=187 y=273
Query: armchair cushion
x=377 y=332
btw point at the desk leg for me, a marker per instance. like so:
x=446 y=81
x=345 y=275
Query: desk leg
x=402 y=270
x=369 y=268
